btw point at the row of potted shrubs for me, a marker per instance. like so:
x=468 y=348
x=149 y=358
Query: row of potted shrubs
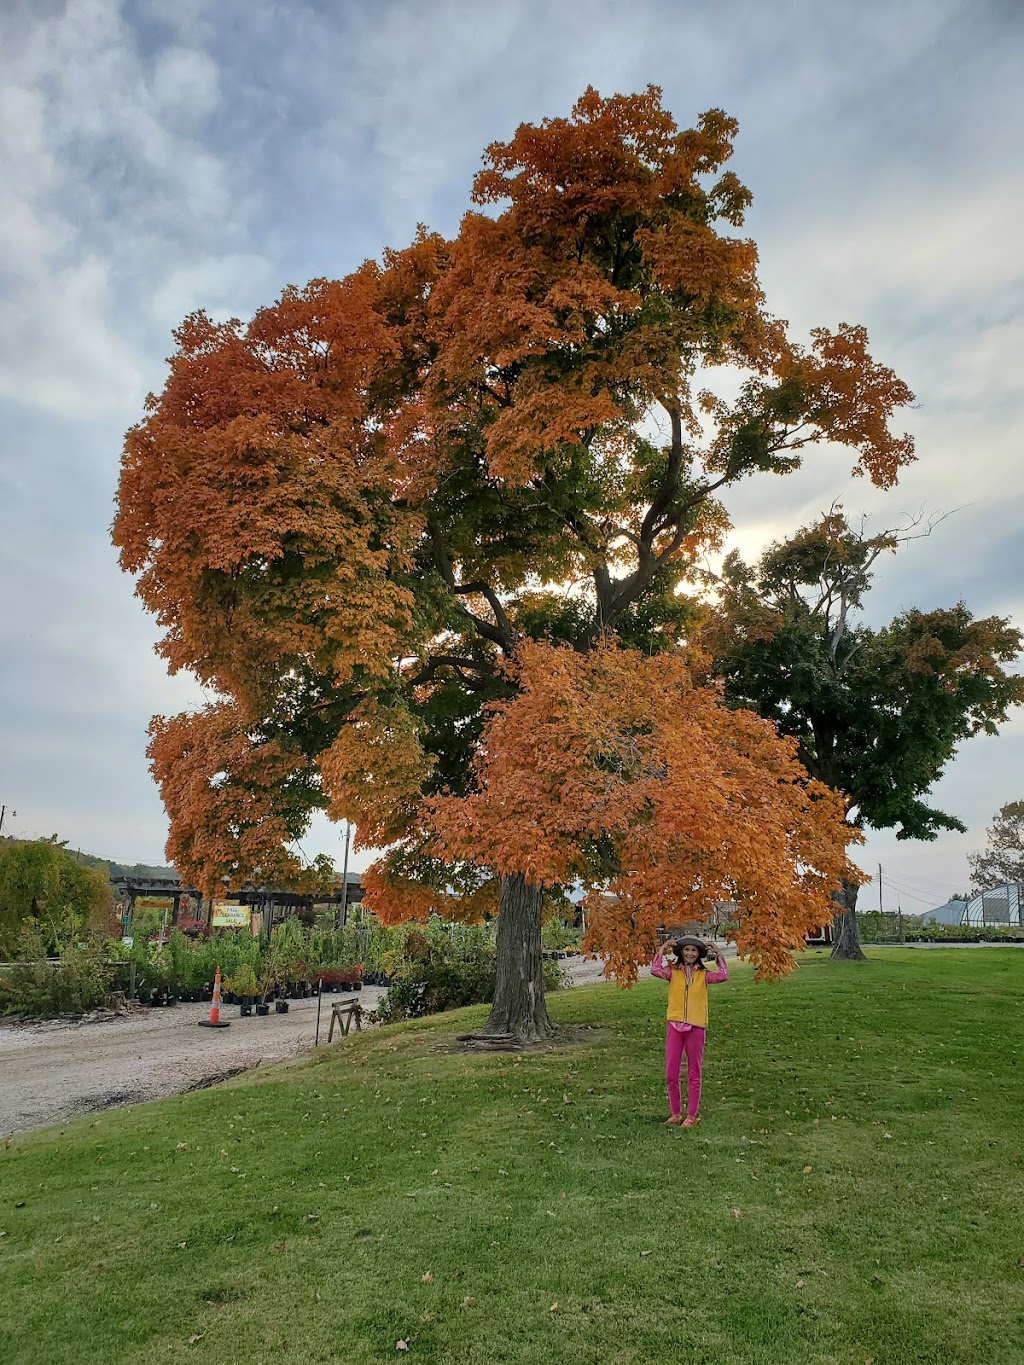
x=453 y=963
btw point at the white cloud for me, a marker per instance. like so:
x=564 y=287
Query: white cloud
x=102 y=182
x=56 y=352
x=186 y=81
x=226 y=286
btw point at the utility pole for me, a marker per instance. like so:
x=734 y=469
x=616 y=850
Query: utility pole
x=899 y=911
x=344 y=876
x=879 y=888
x=3 y=812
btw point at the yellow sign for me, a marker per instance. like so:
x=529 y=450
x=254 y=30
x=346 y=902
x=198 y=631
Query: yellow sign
x=158 y=903
x=228 y=915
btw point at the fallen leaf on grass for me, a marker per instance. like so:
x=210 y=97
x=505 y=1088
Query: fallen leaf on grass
x=196 y=1336
x=401 y=1345
x=469 y=1303
x=647 y=1253
x=737 y=1213
x=799 y=1284
x=553 y=1308
x=427 y=1278
x=808 y=1170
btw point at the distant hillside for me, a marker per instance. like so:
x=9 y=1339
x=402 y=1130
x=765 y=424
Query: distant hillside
x=139 y=870
x=115 y=869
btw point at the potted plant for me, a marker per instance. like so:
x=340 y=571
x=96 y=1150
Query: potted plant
x=244 y=987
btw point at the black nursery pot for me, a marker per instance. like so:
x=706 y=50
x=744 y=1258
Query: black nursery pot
x=263 y=1010
x=281 y=1006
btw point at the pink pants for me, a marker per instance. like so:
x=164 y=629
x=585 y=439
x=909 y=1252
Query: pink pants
x=676 y=1043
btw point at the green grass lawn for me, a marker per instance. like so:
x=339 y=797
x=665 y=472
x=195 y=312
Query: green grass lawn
x=854 y=1193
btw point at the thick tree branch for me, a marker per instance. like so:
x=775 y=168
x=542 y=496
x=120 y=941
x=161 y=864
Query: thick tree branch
x=502 y=634
x=460 y=665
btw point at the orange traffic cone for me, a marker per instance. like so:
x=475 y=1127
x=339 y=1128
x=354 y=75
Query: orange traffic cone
x=215 y=1021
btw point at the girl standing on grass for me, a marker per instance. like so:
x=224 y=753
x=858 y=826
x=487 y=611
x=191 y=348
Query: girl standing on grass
x=681 y=964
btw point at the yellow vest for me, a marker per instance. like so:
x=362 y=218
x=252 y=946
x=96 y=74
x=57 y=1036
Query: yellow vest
x=688 y=1000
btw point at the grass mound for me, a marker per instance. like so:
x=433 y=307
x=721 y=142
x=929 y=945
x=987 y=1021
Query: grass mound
x=854 y=1192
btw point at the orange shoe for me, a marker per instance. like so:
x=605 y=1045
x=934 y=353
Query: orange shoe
x=691 y=1122
x=672 y=1120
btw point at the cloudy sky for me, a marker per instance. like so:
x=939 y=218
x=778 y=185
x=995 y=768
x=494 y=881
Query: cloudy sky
x=160 y=155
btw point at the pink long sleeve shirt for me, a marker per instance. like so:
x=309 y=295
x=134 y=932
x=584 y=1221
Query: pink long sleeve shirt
x=662 y=969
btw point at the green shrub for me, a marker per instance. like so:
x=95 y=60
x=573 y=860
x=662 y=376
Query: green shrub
x=559 y=936
x=965 y=933
x=432 y=987
x=35 y=987
x=244 y=980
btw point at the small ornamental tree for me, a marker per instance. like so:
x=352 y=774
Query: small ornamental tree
x=877 y=714
x=396 y=516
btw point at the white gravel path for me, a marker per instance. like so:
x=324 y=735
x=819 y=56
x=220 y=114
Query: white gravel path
x=51 y=1071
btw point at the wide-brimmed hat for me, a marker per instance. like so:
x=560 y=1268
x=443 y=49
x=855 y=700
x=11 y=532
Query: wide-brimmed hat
x=691 y=941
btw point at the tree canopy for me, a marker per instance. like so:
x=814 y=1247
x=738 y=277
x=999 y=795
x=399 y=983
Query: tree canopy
x=876 y=714
x=375 y=517
x=44 y=889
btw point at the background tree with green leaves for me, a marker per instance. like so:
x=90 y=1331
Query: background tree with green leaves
x=1002 y=858
x=877 y=713
x=46 y=891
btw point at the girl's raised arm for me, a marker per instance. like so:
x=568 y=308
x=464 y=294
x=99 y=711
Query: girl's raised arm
x=722 y=971
x=661 y=968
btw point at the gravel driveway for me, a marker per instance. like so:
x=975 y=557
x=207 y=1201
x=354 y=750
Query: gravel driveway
x=50 y=1071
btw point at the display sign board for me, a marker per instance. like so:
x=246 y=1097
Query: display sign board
x=228 y=915
x=163 y=905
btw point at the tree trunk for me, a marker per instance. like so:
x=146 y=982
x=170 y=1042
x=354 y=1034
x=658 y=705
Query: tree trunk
x=519 y=1013
x=845 y=930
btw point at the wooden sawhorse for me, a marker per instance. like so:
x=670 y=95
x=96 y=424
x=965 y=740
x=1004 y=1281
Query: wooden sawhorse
x=343 y=1012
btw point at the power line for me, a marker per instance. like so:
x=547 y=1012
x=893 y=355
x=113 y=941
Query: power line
x=908 y=891
x=916 y=884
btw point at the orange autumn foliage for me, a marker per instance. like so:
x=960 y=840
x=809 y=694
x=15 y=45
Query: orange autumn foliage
x=256 y=501
x=614 y=770
x=230 y=802
x=395 y=899
x=374 y=773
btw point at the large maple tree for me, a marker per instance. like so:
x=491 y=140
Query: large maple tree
x=427 y=531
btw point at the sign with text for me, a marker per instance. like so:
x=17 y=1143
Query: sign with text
x=227 y=915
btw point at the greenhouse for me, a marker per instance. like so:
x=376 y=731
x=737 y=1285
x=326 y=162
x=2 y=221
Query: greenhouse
x=998 y=905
